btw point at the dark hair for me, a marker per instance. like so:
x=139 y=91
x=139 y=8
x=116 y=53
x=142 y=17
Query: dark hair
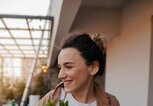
x=88 y=49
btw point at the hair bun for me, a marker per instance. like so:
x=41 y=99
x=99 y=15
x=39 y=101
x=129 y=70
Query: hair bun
x=98 y=39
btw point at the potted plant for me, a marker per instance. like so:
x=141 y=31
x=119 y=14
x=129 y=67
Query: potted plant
x=35 y=89
x=18 y=91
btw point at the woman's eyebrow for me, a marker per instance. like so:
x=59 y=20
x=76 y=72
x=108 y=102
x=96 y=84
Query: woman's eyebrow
x=68 y=63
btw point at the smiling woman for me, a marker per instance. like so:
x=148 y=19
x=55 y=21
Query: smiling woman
x=80 y=60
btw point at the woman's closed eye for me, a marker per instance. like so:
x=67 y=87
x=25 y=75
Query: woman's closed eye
x=68 y=66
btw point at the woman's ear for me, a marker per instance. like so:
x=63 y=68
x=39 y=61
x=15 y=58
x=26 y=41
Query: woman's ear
x=94 y=67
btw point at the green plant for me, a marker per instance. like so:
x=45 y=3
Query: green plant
x=38 y=85
x=35 y=86
x=19 y=88
x=9 y=93
x=62 y=103
x=52 y=103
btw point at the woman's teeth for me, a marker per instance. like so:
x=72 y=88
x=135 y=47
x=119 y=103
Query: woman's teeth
x=66 y=83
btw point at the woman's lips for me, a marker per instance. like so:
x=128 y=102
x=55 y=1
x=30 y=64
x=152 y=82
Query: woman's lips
x=67 y=83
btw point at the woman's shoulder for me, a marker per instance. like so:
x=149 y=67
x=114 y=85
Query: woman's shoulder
x=112 y=99
x=53 y=95
x=105 y=98
x=45 y=99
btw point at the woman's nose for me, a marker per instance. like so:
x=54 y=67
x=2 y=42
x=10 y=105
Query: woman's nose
x=61 y=74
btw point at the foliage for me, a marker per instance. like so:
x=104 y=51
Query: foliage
x=35 y=86
x=38 y=85
x=9 y=93
x=19 y=88
x=52 y=103
x=62 y=103
x=13 y=91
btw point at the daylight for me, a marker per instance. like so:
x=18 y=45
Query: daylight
x=24 y=7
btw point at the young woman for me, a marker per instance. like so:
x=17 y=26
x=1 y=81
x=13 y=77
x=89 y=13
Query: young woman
x=80 y=60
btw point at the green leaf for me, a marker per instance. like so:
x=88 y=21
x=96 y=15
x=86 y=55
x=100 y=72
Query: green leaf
x=50 y=103
x=62 y=103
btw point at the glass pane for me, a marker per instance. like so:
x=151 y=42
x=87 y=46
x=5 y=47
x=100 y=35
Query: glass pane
x=30 y=55
x=18 y=55
x=15 y=51
x=41 y=52
x=48 y=25
x=36 y=42
x=16 y=62
x=46 y=35
x=22 y=42
x=22 y=37
x=1 y=24
x=46 y=52
x=26 y=47
x=36 y=47
x=15 y=23
x=36 y=34
x=44 y=48
x=1 y=47
x=11 y=47
x=4 y=33
x=6 y=55
x=20 y=34
x=29 y=52
x=3 y=51
x=17 y=71
x=45 y=42
x=7 y=41
x=42 y=56
x=36 y=24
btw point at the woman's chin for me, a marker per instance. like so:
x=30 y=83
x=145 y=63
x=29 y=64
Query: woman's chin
x=67 y=90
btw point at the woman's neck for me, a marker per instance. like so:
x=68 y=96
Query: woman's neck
x=85 y=95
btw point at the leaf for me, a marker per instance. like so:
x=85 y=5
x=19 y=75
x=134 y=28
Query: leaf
x=62 y=103
x=50 y=103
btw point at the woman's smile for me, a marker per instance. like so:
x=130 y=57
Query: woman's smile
x=67 y=83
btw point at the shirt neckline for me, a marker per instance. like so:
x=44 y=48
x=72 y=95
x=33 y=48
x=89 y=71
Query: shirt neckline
x=71 y=96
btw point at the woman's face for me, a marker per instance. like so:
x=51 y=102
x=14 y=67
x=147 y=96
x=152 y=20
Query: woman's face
x=74 y=72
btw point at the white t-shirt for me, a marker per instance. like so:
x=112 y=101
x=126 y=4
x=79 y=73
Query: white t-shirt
x=72 y=101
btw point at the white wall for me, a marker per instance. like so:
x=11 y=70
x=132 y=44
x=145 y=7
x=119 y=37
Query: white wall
x=150 y=93
x=128 y=55
x=55 y=12
x=97 y=20
x=64 y=12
